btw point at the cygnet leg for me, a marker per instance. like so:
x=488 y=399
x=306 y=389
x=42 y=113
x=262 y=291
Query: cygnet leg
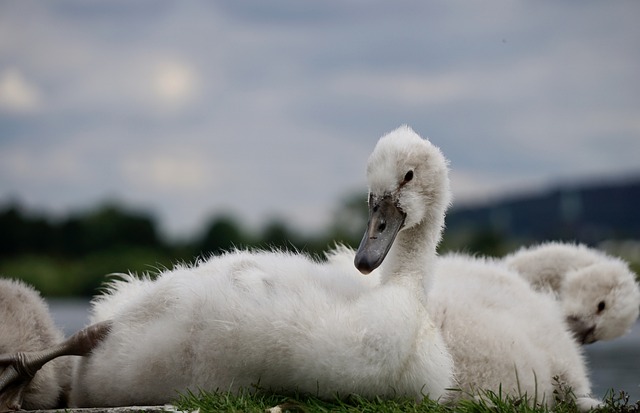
x=18 y=369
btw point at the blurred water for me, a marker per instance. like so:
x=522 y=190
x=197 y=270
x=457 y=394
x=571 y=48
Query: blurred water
x=613 y=364
x=616 y=364
x=69 y=314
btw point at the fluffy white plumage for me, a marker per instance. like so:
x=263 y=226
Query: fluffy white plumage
x=283 y=321
x=503 y=335
x=599 y=294
x=28 y=326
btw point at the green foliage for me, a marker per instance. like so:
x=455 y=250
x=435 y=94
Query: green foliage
x=60 y=276
x=262 y=401
x=635 y=267
x=350 y=219
x=106 y=227
x=224 y=233
x=72 y=256
x=481 y=242
x=619 y=403
x=489 y=402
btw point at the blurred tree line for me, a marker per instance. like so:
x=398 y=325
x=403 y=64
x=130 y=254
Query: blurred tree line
x=73 y=255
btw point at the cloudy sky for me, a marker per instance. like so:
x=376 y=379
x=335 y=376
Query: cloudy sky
x=189 y=109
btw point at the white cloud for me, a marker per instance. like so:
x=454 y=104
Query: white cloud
x=169 y=171
x=405 y=88
x=149 y=84
x=174 y=82
x=17 y=93
x=293 y=103
x=489 y=83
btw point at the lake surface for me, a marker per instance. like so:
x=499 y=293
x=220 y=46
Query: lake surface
x=613 y=364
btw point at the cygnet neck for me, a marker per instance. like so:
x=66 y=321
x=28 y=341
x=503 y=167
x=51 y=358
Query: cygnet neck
x=411 y=260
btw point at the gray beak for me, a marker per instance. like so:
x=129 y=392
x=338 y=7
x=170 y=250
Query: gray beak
x=385 y=220
x=582 y=331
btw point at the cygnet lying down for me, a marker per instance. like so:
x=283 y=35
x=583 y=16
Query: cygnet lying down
x=281 y=320
x=503 y=336
x=599 y=294
x=33 y=375
x=28 y=326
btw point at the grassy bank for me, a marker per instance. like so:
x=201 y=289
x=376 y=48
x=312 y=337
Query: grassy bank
x=491 y=403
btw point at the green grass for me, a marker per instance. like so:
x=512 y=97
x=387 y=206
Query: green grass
x=491 y=402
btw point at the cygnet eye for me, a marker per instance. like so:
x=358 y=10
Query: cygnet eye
x=408 y=176
x=601 y=306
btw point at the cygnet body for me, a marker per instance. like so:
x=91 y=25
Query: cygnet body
x=282 y=321
x=28 y=326
x=504 y=337
x=599 y=294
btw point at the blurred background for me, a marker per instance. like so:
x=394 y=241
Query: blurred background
x=134 y=135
